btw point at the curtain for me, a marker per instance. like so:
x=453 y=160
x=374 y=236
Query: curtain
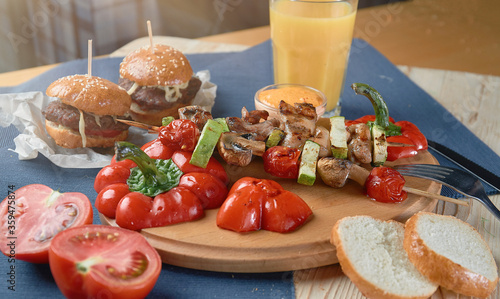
x=39 y=32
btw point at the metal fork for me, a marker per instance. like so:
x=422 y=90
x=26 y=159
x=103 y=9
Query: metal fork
x=458 y=179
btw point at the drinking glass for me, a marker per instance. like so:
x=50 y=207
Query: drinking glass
x=311 y=43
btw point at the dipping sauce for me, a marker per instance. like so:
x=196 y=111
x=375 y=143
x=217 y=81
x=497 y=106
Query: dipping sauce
x=291 y=95
x=269 y=97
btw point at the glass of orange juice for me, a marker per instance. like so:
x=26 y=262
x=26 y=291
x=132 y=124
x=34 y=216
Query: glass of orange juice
x=311 y=43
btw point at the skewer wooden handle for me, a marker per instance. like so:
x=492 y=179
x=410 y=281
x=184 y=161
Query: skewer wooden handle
x=435 y=196
x=152 y=129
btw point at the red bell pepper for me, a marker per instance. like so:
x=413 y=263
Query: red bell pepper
x=253 y=204
x=406 y=135
x=411 y=140
x=156 y=195
x=405 y=145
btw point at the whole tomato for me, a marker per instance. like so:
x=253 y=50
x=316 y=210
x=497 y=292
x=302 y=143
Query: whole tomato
x=34 y=214
x=97 y=261
x=180 y=134
x=385 y=184
x=282 y=161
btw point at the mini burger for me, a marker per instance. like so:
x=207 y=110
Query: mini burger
x=160 y=80
x=86 y=111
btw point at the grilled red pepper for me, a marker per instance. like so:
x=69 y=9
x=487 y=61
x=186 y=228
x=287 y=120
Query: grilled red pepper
x=411 y=136
x=253 y=204
x=405 y=137
x=405 y=145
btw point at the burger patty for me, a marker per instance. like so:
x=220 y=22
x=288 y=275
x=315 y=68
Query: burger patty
x=153 y=98
x=69 y=116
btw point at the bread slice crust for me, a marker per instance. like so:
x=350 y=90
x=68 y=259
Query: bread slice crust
x=444 y=270
x=367 y=285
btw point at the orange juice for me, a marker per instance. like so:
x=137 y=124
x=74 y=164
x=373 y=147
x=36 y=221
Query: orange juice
x=311 y=42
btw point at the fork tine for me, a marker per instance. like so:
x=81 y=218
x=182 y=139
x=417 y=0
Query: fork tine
x=427 y=167
x=424 y=169
x=457 y=179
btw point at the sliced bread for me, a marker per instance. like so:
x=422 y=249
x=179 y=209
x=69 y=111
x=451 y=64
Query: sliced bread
x=451 y=253
x=371 y=254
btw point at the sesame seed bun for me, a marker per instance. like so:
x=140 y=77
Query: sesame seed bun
x=91 y=94
x=160 y=66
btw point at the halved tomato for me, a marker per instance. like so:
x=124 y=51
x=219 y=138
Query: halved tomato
x=97 y=261
x=32 y=215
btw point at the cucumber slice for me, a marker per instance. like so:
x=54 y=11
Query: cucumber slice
x=275 y=138
x=338 y=137
x=166 y=120
x=379 y=145
x=208 y=140
x=308 y=162
x=223 y=122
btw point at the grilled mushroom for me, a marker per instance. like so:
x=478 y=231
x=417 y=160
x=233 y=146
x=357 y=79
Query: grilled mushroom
x=334 y=172
x=238 y=149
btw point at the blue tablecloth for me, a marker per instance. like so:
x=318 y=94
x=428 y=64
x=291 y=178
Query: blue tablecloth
x=238 y=76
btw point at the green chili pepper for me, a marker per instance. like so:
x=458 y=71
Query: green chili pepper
x=380 y=107
x=151 y=176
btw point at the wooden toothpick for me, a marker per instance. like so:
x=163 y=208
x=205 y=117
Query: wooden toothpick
x=89 y=67
x=150 y=32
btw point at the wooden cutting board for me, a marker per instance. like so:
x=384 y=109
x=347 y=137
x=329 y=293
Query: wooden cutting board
x=202 y=245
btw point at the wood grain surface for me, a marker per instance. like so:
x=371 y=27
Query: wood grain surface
x=202 y=245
